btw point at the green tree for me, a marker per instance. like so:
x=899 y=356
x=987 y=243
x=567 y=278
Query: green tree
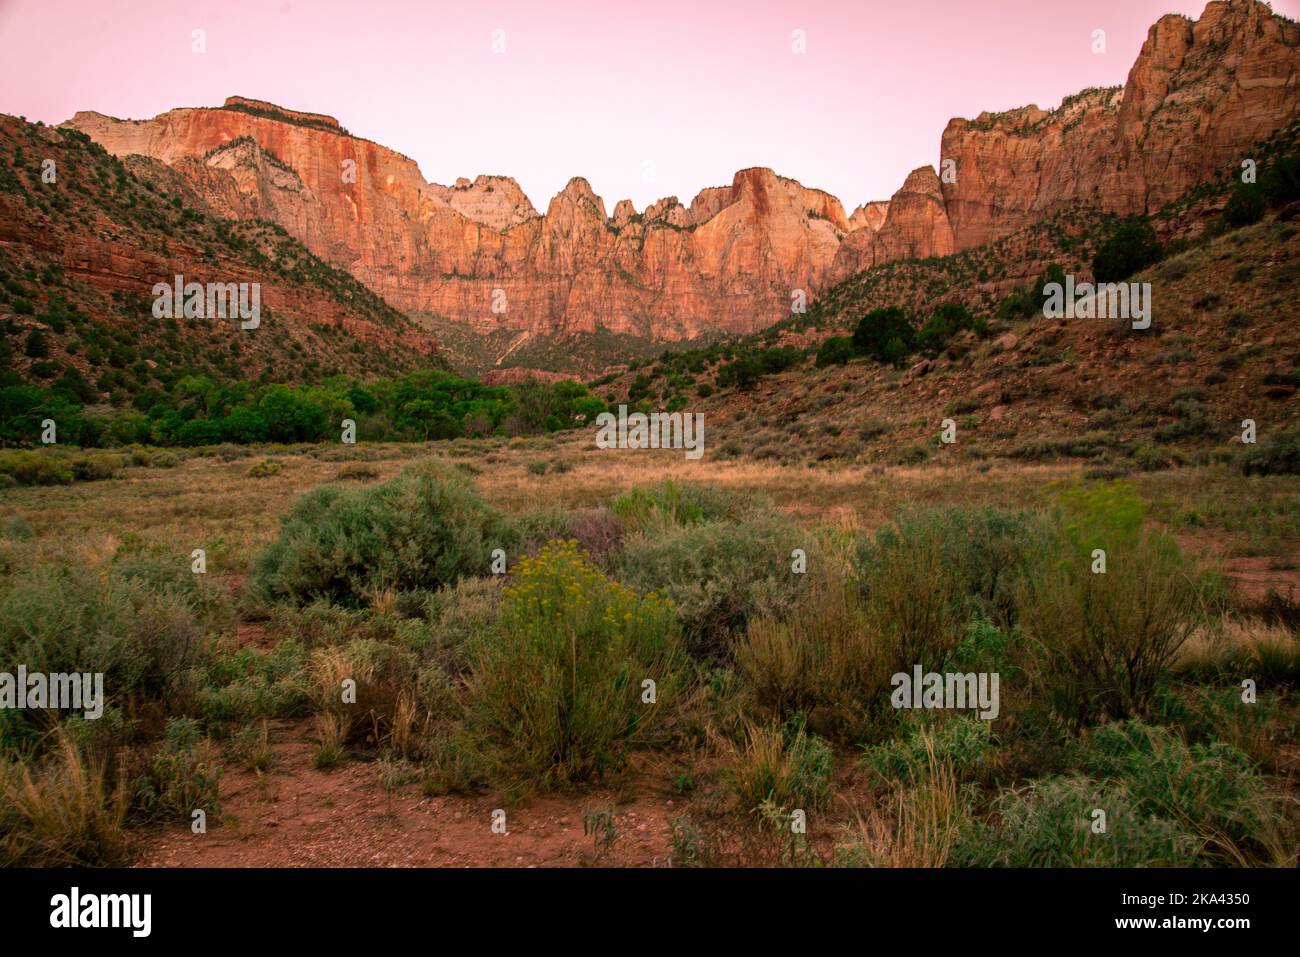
x=835 y=351
x=1132 y=247
x=886 y=335
x=36 y=347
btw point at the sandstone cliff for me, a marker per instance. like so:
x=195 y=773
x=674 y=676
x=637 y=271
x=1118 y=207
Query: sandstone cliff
x=729 y=261
x=1200 y=96
x=915 y=226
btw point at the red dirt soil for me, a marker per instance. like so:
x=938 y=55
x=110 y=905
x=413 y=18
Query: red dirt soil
x=299 y=816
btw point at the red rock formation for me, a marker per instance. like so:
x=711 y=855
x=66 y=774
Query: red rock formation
x=1198 y=98
x=869 y=216
x=915 y=225
x=729 y=261
x=107 y=253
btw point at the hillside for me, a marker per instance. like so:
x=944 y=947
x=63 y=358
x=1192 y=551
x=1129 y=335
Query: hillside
x=1222 y=347
x=80 y=257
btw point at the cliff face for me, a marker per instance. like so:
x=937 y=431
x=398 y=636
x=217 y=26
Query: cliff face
x=728 y=261
x=1200 y=95
x=107 y=246
x=915 y=225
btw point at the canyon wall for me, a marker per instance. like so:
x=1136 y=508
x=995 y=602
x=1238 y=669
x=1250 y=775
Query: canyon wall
x=1200 y=96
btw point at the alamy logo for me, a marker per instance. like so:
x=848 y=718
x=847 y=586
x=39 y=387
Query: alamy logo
x=214 y=300
x=658 y=430
x=951 y=691
x=1106 y=300
x=103 y=910
x=75 y=692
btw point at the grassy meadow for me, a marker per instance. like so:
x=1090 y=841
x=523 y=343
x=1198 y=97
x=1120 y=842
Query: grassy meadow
x=535 y=622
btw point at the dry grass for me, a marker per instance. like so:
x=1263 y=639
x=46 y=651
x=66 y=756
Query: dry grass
x=62 y=813
x=1250 y=646
x=778 y=768
x=918 y=823
x=825 y=660
x=215 y=504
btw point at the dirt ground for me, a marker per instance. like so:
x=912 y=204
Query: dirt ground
x=298 y=816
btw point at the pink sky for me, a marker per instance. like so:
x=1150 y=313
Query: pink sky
x=646 y=98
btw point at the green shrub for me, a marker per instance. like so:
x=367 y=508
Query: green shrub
x=1048 y=823
x=1105 y=641
x=987 y=552
x=1278 y=454
x=141 y=634
x=184 y=776
x=249 y=685
x=965 y=744
x=557 y=689
x=1282 y=180
x=92 y=468
x=886 y=335
x=911 y=454
x=717 y=575
x=948 y=319
x=1131 y=247
x=1246 y=205
x=36 y=468
x=1205 y=715
x=456 y=615
x=423 y=529
x=1212 y=789
x=834 y=351
x=251 y=747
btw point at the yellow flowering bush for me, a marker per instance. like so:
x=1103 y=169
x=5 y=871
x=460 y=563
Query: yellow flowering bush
x=562 y=686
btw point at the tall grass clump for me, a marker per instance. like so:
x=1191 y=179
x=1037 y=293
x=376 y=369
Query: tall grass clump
x=558 y=689
x=63 y=810
x=655 y=507
x=915 y=599
x=823 y=661
x=184 y=776
x=921 y=819
x=426 y=528
x=780 y=765
x=987 y=553
x=380 y=703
